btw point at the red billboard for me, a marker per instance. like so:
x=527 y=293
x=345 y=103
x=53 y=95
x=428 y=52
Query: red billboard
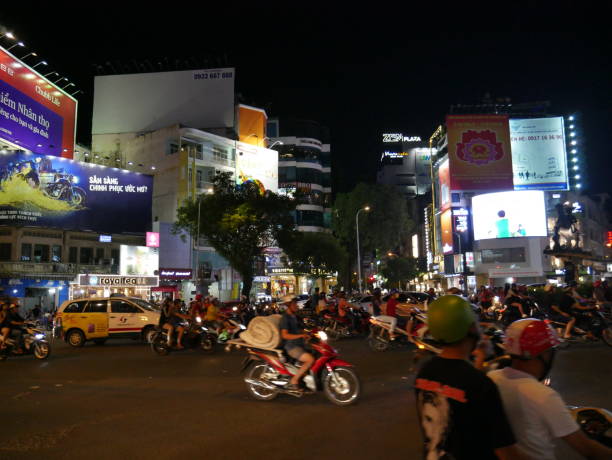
x=34 y=113
x=479 y=152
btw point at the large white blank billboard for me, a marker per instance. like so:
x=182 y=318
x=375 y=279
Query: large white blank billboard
x=149 y=101
x=509 y=215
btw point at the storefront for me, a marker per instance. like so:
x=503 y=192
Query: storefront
x=171 y=283
x=30 y=292
x=106 y=285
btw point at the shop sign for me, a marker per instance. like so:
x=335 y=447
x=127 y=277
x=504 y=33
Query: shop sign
x=261 y=279
x=118 y=281
x=176 y=273
x=106 y=238
x=152 y=239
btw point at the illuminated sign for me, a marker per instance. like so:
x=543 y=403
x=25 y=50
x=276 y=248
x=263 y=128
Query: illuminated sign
x=460 y=219
x=176 y=273
x=609 y=243
x=415 y=245
x=395 y=154
x=34 y=113
x=106 y=239
x=152 y=239
x=399 y=137
x=118 y=280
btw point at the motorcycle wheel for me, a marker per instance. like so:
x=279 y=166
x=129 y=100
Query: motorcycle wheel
x=259 y=393
x=207 y=343
x=377 y=344
x=77 y=198
x=341 y=386
x=160 y=345
x=42 y=350
x=606 y=335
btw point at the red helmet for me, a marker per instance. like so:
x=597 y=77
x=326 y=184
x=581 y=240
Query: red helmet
x=198 y=297
x=529 y=338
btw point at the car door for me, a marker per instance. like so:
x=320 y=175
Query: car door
x=124 y=319
x=95 y=317
x=72 y=316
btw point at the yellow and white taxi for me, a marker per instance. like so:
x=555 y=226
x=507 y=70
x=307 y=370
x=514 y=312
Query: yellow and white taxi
x=99 y=319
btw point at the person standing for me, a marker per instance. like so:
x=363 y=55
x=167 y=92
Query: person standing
x=459 y=408
x=537 y=413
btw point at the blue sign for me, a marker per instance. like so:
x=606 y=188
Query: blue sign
x=106 y=238
x=46 y=191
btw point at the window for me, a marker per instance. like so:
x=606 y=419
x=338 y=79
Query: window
x=121 y=306
x=56 y=253
x=99 y=255
x=26 y=252
x=75 y=307
x=41 y=253
x=115 y=256
x=96 y=306
x=86 y=256
x=173 y=148
x=286 y=174
x=73 y=255
x=5 y=251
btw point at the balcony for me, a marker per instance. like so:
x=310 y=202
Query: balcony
x=52 y=269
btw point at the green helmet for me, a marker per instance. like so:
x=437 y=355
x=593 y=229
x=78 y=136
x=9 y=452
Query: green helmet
x=449 y=318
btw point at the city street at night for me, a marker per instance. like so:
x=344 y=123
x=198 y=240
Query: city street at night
x=123 y=401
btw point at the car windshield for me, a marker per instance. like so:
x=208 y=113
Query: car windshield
x=144 y=304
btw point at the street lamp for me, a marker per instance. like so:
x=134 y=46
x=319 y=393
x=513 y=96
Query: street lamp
x=68 y=85
x=41 y=62
x=16 y=44
x=366 y=208
x=274 y=143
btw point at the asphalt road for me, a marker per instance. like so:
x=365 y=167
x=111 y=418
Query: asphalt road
x=121 y=401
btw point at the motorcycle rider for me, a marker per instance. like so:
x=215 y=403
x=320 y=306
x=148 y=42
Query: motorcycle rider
x=196 y=308
x=293 y=342
x=5 y=325
x=455 y=401
x=391 y=312
x=15 y=322
x=537 y=413
x=562 y=312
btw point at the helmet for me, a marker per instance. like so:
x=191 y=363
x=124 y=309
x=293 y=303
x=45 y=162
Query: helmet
x=449 y=318
x=528 y=338
x=198 y=297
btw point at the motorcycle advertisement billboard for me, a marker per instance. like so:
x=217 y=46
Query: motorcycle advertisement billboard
x=257 y=165
x=539 y=159
x=34 y=113
x=509 y=215
x=47 y=191
x=479 y=154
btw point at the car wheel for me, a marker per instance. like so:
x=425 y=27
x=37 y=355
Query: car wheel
x=75 y=338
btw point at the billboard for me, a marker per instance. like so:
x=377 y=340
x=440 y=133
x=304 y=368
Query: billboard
x=138 y=260
x=34 y=113
x=539 y=159
x=149 y=101
x=258 y=165
x=47 y=191
x=444 y=181
x=446 y=228
x=479 y=152
x=509 y=215
x=251 y=125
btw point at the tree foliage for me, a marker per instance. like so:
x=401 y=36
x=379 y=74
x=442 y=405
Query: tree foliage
x=399 y=270
x=316 y=254
x=238 y=221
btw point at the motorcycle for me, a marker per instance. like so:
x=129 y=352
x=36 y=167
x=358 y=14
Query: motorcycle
x=594 y=321
x=221 y=334
x=195 y=336
x=380 y=332
x=596 y=423
x=63 y=188
x=34 y=343
x=269 y=371
x=352 y=325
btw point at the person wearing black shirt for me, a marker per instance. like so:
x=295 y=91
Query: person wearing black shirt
x=514 y=308
x=460 y=408
x=15 y=322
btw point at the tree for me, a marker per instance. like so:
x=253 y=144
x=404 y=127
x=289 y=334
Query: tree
x=316 y=254
x=385 y=227
x=399 y=270
x=239 y=222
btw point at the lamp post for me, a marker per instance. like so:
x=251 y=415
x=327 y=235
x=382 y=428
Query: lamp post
x=366 y=208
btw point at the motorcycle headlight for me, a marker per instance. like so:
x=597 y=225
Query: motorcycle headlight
x=39 y=336
x=322 y=336
x=75 y=180
x=198 y=319
x=235 y=309
x=242 y=326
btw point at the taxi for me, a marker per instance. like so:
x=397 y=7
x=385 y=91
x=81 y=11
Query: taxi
x=98 y=319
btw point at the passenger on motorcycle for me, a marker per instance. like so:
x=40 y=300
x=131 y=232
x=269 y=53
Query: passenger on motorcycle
x=455 y=401
x=536 y=412
x=391 y=312
x=5 y=325
x=562 y=312
x=196 y=308
x=513 y=309
x=376 y=302
x=175 y=320
x=16 y=322
x=293 y=342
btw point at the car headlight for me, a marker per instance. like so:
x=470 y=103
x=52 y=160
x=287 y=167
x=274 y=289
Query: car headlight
x=39 y=336
x=322 y=336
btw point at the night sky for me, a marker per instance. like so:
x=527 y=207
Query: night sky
x=359 y=72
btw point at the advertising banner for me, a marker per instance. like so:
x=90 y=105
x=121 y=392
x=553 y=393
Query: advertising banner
x=509 y=215
x=446 y=228
x=34 y=113
x=538 y=154
x=479 y=152
x=445 y=182
x=138 y=260
x=47 y=191
x=257 y=165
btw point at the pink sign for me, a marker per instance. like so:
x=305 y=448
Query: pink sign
x=152 y=239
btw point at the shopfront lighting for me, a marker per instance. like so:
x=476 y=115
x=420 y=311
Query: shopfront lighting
x=153 y=168
x=50 y=74
x=577 y=176
x=40 y=63
x=68 y=85
x=8 y=35
x=574 y=142
x=29 y=54
x=571 y=118
x=578 y=185
x=575 y=168
x=574 y=159
x=572 y=134
x=574 y=151
x=571 y=126
x=59 y=79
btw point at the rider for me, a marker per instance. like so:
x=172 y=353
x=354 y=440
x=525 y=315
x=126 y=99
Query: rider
x=15 y=322
x=196 y=308
x=5 y=325
x=562 y=312
x=536 y=412
x=294 y=342
x=513 y=307
x=175 y=320
x=455 y=401
x=391 y=311
x=376 y=302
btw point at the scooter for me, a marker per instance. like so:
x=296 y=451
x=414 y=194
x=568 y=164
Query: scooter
x=598 y=324
x=34 y=343
x=338 y=327
x=380 y=332
x=269 y=371
x=195 y=336
x=595 y=422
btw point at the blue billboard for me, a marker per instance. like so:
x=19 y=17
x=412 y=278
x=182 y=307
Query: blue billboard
x=47 y=191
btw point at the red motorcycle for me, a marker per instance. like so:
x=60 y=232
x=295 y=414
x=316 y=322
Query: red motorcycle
x=269 y=371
